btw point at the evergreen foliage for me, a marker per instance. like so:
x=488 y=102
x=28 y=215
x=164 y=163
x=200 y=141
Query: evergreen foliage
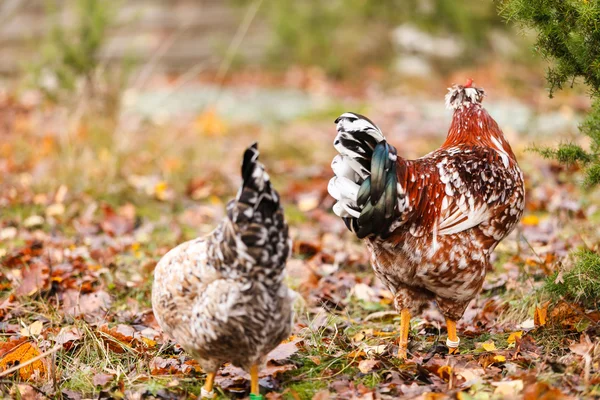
x=568 y=36
x=580 y=283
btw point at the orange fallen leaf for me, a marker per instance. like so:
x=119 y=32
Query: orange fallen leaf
x=541 y=315
x=530 y=220
x=445 y=372
x=512 y=338
x=21 y=354
x=542 y=391
x=210 y=124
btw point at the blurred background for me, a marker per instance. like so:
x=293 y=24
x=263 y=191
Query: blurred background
x=95 y=81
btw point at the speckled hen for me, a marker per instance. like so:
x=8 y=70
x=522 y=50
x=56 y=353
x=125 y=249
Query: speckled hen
x=430 y=224
x=222 y=297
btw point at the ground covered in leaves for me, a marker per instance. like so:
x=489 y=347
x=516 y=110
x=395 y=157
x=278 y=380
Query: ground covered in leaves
x=88 y=206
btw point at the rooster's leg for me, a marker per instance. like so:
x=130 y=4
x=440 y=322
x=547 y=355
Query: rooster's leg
x=207 y=389
x=453 y=341
x=404 y=328
x=254 y=389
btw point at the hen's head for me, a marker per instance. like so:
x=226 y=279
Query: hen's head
x=466 y=95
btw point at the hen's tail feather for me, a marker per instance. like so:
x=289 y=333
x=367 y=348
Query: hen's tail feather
x=366 y=160
x=256 y=193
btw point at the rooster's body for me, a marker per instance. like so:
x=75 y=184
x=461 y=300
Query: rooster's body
x=430 y=224
x=222 y=297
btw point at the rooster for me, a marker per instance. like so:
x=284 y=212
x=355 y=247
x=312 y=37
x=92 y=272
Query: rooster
x=222 y=297
x=430 y=224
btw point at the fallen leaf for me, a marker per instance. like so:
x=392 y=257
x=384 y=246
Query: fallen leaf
x=530 y=220
x=91 y=305
x=102 y=379
x=32 y=330
x=366 y=366
x=35 y=277
x=445 y=372
x=508 y=389
x=284 y=350
x=513 y=336
x=210 y=124
x=21 y=354
x=488 y=346
x=540 y=316
x=542 y=391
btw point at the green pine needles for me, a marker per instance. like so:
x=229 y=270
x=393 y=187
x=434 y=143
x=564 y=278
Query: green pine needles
x=568 y=36
x=581 y=283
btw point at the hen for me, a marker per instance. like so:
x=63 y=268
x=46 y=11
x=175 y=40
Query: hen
x=222 y=297
x=430 y=224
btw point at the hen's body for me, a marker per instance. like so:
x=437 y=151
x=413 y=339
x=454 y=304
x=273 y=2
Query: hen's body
x=222 y=297
x=431 y=224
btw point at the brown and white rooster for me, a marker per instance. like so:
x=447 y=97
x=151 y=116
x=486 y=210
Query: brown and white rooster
x=430 y=224
x=222 y=297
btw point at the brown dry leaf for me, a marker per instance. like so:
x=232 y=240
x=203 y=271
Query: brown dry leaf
x=120 y=222
x=68 y=335
x=322 y=395
x=35 y=277
x=101 y=379
x=584 y=347
x=434 y=396
x=541 y=314
x=445 y=372
x=118 y=337
x=508 y=389
x=273 y=370
x=284 y=350
x=26 y=392
x=23 y=353
x=542 y=391
x=366 y=366
x=164 y=366
x=90 y=305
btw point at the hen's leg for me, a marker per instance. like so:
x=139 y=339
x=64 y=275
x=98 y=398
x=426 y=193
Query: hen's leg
x=404 y=328
x=453 y=311
x=453 y=341
x=207 y=389
x=407 y=301
x=254 y=389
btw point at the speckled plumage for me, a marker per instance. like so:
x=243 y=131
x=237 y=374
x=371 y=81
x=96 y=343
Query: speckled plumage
x=222 y=297
x=433 y=237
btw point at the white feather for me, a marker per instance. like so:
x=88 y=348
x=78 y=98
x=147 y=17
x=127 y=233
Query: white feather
x=346 y=188
x=341 y=167
x=342 y=209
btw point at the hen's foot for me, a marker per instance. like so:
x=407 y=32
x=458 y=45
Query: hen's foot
x=404 y=329
x=453 y=341
x=207 y=391
x=254 y=388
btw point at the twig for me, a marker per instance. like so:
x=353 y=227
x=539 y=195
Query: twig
x=34 y=359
